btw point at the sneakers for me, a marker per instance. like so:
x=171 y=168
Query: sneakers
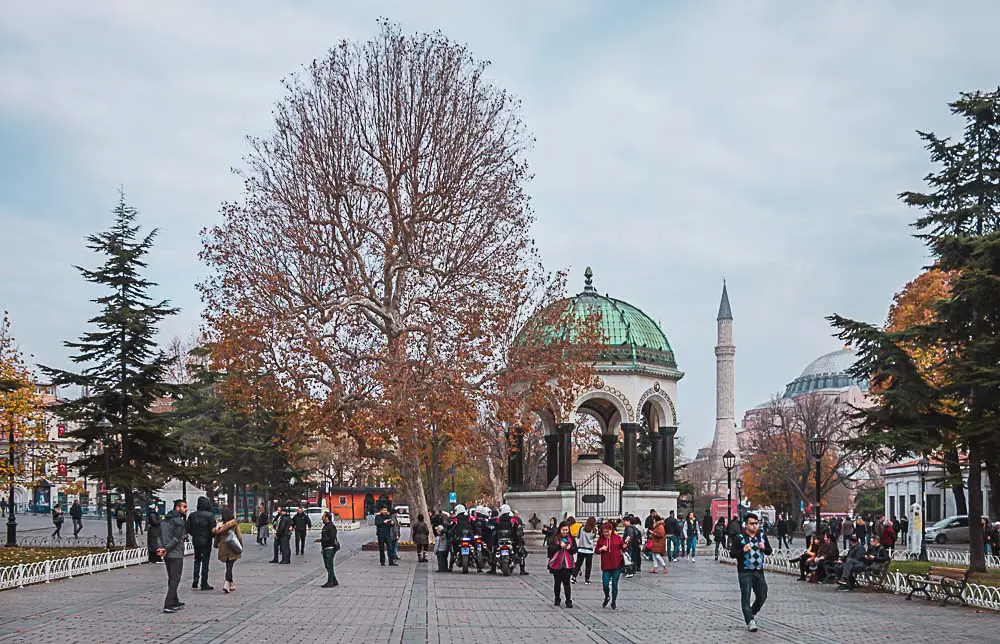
x=569 y=603
x=606 y=600
x=614 y=605
x=169 y=610
x=752 y=626
x=556 y=603
x=653 y=571
x=573 y=580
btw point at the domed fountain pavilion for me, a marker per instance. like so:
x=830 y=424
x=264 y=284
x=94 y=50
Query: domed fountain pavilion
x=634 y=390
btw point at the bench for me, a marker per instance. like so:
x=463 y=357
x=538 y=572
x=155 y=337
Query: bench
x=874 y=577
x=949 y=583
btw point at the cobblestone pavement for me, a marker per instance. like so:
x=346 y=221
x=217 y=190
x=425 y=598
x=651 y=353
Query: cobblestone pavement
x=411 y=603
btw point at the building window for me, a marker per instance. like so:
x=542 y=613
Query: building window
x=903 y=510
x=933 y=508
x=892 y=507
x=913 y=499
x=343 y=500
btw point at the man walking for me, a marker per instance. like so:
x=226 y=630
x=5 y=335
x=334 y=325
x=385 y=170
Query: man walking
x=199 y=526
x=781 y=525
x=330 y=544
x=301 y=523
x=750 y=549
x=172 y=550
x=76 y=513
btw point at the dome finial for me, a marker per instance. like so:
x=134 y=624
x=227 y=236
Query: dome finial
x=588 y=280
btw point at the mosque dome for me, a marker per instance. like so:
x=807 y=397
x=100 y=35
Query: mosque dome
x=631 y=336
x=829 y=371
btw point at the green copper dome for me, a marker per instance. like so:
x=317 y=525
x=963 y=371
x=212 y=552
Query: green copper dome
x=631 y=336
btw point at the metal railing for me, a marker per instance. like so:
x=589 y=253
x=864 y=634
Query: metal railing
x=895 y=582
x=68 y=542
x=21 y=575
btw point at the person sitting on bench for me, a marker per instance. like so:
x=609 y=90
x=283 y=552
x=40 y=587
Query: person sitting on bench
x=858 y=562
x=807 y=559
x=829 y=557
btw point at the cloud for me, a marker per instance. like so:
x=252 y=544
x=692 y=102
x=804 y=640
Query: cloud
x=675 y=144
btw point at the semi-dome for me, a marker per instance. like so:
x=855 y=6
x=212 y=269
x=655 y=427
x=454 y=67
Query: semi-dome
x=829 y=371
x=630 y=335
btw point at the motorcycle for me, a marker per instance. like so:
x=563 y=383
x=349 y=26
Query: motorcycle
x=465 y=551
x=505 y=555
x=480 y=554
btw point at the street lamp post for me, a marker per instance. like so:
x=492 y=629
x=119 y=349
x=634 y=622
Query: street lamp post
x=105 y=426
x=12 y=519
x=923 y=465
x=739 y=497
x=818 y=445
x=729 y=462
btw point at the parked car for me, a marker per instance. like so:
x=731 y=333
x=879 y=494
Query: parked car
x=950 y=530
x=403 y=515
x=315 y=515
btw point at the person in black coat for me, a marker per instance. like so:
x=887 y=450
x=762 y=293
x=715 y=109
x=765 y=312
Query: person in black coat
x=76 y=513
x=283 y=536
x=561 y=551
x=383 y=534
x=330 y=544
x=301 y=523
x=152 y=532
x=199 y=527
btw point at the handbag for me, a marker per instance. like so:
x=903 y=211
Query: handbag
x=233 y=541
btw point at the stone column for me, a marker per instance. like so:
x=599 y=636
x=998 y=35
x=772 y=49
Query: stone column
x=609 y=440
x=515 y=462
x=631 y=431
x=669 y=438
x=551 y=458
x=565 y=456
x=656 y=460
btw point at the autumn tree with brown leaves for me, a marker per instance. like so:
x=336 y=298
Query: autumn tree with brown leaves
x=379 y=264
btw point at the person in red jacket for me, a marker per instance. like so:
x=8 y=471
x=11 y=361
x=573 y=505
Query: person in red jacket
x=888 y=536
x=609 y=547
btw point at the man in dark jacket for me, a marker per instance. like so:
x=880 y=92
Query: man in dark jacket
x=283 y=536
x=76 y=513
x=329 y=543
x=829 y=556
x=673 y=544
x=152 y=531
x=199 y=526
x=383 y=534
x=301 y=523
x=781 y=526
x=860 y=559
x=706 y=527
x=750 y=550
x=171 y=548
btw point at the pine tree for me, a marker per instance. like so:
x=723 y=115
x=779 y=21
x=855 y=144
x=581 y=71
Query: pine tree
x=961 y=226
x=122 y=370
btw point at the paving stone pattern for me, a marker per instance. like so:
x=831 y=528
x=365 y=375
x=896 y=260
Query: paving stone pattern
x=411 y=603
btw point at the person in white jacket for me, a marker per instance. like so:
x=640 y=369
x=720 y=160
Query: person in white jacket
x=586 y=539
x=692 y=531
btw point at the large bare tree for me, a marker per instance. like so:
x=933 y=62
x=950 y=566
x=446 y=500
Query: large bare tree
x=380 y=259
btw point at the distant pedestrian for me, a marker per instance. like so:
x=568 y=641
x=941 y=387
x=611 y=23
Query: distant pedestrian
x=199 y=526
x=610 y=547
x=586 y=540
x=781 y=527
x=76 y=514
x=229 y=541
x=120 y=517
x=633 y=541
x=706 y=527
x=301 y=523
x=152 y=531
x=750 y=550
x=383 y=534
x=561 y=550
x=57 y=521
x=441 y=548
x=720 y=536
x=283 y=536
x=394 y=538
x=421 y=533
x=330 y=544
x=692 y=530
x=659 y=545
x=3 y=507
x=137 y=519
x=172 y=550
x=262 y=521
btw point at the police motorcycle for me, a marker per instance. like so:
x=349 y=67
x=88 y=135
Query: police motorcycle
x=509 y=534
x=463 y=539
x=481 y=516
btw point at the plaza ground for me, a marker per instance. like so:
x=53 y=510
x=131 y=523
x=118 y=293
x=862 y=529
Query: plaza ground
x=696 y=602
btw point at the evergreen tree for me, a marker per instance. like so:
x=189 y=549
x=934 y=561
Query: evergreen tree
x=123 y=372
x=961 y=226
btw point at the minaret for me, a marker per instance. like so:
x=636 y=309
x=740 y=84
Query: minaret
x=725 y=416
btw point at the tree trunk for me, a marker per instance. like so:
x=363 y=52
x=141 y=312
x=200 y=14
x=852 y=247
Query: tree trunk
x=130 y=518
x=993 y=474
x=496 y=480
x=955 y=475
x=413 y=484
x=977 y=554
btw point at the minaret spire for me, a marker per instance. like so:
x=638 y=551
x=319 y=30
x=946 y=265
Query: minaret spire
x=725 y=415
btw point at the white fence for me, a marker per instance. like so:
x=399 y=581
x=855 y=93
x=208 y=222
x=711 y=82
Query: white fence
x=347 y=525
x=39 y=572
x=974 y=594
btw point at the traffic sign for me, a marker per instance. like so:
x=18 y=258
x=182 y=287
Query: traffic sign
x=452 y=497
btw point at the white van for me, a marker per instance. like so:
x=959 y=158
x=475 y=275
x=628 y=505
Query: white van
x=403 y=515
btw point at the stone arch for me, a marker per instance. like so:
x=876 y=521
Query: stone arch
x=608 y=403
x=661 y=399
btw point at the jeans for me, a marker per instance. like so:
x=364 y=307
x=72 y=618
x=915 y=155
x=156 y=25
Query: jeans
x=692 y=546
x=383 y=546
x=658 y=561
x=395 y=549
x=442 y=556
x=636 y=557
x=783 y=542
x=582 y=558
x=752 y=580
x=611 y=576
x=57 y=534
x=202 y=555
x=328 y=553
x=175 y=568
x=229 y=570
x=77 y=527
x=561 y=577
x=673 y=547
x=300 y=543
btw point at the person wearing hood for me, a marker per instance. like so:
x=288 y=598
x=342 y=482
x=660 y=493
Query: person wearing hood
x=152 y=531
x=171 y=548
x=199 y=526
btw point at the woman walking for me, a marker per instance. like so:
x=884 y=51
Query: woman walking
x=585 y=541
x=610 y=547
x=691 y=533
x=57 y=521
x=229 y=541
x=421 y=534
x=561 y=549
x=659 y=545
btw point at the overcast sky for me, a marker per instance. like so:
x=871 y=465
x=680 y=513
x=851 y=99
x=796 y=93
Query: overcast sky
x=677 y=143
